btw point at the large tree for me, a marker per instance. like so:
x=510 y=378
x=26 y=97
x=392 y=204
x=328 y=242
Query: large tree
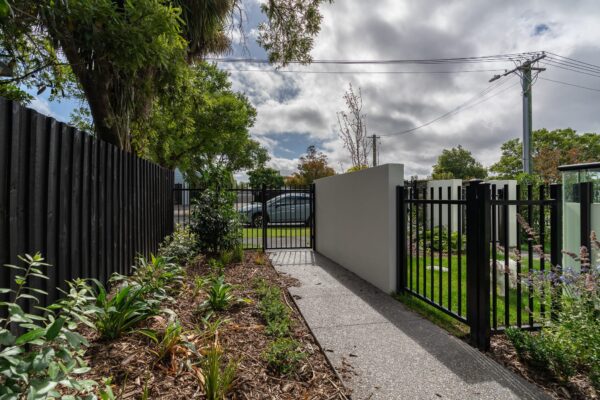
x=268 y=177
x=353 y=129
x=312 y=166
x=200 y=122
x=550 y=150
x=120 y=54
x=458 y=163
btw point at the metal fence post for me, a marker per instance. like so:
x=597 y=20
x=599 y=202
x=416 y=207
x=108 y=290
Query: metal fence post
x=585 y=204
x=263 y=199
x=401 y=249
x=478 y=263
x=313 y=217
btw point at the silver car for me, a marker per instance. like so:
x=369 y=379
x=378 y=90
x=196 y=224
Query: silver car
x=290 y=208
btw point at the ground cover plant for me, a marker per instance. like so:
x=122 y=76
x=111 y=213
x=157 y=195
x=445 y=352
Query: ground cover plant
x=210 y=338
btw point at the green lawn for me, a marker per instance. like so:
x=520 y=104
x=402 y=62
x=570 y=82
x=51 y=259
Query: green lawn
x=283 y=231
x=426 y=276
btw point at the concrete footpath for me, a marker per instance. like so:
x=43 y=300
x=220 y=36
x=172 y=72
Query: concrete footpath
x=381 y=349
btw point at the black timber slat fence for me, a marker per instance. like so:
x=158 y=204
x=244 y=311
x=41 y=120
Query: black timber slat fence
x=87 y=206
x=466 y=251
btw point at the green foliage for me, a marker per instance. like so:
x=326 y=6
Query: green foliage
x=122 y=55
x=458 y=163
x=274 y=311
x=268 y=177
x=166 y=341
x=120 y=313
x=220 y=297
x=570 y=342
x=235 y=255
x=159 y=277
x=542 y=352
x=215 y=222
x=200 y=123
x=48 y=354
x=550 y=150
x=313 y=165
x=284 y=355
x=435 y=236
x=180 y=246
x=218 y=378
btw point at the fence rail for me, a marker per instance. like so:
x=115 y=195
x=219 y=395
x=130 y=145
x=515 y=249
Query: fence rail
x=86 y=205
x=271 y=218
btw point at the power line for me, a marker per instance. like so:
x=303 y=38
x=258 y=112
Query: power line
x=472 y=102
x=570 y=84
x=574 y=60
x=456 y=60
x=361 y=72
x=553 y=64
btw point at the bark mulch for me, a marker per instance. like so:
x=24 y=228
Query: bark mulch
x=133 y=369
x=578 y=387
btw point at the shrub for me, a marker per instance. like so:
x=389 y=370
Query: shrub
x=215 y=222
x=235 y=255
x=284 y=356
x=159 y=277
x=48 y=354
x=217 y=378
x=219 y=295
x=570 y=341
x=275 y=313
x=180 y=246
x=121 y=312
x=434 y=235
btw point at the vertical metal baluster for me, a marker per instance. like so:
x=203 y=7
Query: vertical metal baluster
x=431 y=243
x=494 y=258
x=506 y=245
x=418 y=247
x=440 y=227
x=459 y=229
x=543 y=248
x=449 y=252
x=519 y=297
x=410 y=242
x=424 y=242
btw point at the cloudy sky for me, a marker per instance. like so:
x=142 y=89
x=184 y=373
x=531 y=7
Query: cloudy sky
x=296 y=109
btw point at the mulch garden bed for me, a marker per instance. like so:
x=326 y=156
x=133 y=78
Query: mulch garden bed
x=578 y=387
x=133 y=369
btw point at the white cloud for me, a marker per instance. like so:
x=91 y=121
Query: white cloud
x=354 y=29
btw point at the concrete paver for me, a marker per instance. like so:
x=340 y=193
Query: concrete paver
x=393 y=352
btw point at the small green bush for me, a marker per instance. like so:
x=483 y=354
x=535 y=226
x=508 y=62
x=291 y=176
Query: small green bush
x=159 y=277
x=180 y=247
x=47 y=356
x=220 y=297
x=274 y=311
x=165 y=341
x=235 y=255
x=115 y=315
x=283 y=355
x=215 y=222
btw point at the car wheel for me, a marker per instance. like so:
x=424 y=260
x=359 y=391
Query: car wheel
x=308 y=222
x=257 y=220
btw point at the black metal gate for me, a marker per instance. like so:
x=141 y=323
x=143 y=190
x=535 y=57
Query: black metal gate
x=271 y=218
x=468 y=251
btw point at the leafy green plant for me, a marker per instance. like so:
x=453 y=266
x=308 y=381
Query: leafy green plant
x=117 y=314
x=218 y=378
x=180 y=246
x=199 y=283
x=219 y=295
x=283 y=355
x=215 y=222
x=160 y=276
x=234 y=255
x=275 y=313
x=165 y=341
x=212 y=325
x=216 y=266
x=47 y=355
x=569 y=340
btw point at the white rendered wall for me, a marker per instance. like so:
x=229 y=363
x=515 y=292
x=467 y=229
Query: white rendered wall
x=455 y=185
x=512 y=210
x=356 y=222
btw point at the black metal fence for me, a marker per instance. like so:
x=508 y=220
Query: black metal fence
x=467 y=251
x=271 y=218
x=86 y=205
